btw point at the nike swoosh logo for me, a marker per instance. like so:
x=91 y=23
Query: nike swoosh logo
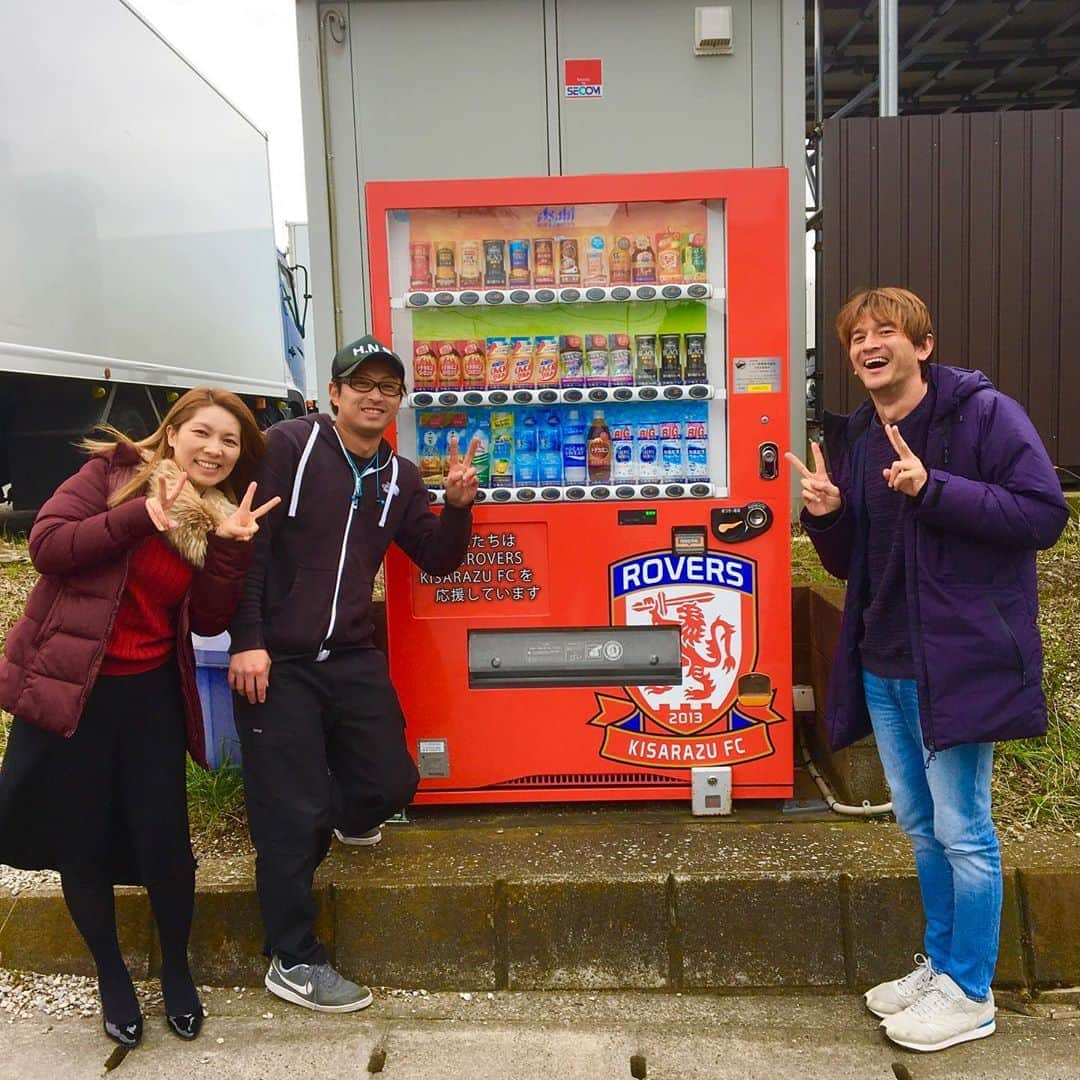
x=300 y=988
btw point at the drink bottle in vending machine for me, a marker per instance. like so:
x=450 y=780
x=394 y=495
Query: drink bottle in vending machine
x=616 y=346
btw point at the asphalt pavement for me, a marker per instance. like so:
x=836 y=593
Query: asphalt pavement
x=506 y=1036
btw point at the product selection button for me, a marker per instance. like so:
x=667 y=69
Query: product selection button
x=648 y=393
x=444 y=298
x=494 y=297
x=570 y=295
x=519 y=296
x=646 y=292
x=672 y=292
x=621 y=292
x=594 y=294
x=545 y=296
x=418 y=299
x=697 y=291
x=469 y=298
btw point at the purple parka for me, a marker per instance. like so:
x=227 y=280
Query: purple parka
x=990 y=502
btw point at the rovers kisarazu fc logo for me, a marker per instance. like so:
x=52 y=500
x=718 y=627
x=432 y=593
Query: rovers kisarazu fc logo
x=720 y=714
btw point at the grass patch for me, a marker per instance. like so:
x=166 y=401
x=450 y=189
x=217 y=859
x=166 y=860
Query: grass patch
x=215 y=805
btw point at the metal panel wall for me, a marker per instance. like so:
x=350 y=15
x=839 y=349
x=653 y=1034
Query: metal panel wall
x=980 y=215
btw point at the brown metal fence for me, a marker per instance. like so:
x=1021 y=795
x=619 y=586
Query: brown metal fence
x=980 y=215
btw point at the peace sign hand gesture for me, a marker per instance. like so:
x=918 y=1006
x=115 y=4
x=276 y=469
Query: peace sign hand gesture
x=159 y=505
x=907 y=474
x=820 y=495
x=461 y=482
x=243 y=522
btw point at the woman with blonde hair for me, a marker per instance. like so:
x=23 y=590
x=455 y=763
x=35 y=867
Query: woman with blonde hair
x=146 y=544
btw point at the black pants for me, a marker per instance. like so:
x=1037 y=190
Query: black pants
x=326 y=749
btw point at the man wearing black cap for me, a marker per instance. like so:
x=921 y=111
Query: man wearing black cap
x=320 y=726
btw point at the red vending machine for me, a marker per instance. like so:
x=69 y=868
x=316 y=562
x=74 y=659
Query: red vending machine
x=618 y=344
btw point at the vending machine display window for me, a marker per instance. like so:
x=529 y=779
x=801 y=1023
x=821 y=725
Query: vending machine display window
x=581 y=344
x=616 y=349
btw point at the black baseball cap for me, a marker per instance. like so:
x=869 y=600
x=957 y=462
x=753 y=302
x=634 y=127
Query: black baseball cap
x=349 y=357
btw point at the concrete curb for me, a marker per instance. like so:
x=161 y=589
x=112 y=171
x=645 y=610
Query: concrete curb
x=398 y=918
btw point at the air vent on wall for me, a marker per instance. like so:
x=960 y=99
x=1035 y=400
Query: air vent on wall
x=713 y=31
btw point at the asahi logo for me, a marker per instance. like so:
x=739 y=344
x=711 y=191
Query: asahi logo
x=564 y=215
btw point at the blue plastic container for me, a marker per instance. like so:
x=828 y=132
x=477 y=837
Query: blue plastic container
x=211 y=677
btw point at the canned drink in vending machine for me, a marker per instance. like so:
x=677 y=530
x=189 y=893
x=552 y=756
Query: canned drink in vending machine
x=645 y=371
x=522 y=375
x=695 y=359
x=543 y=249
x=420 y=264
x=425 y=367
x=473 y=365
x=446 y=264
x=671 y=359
x=620 y=367
x=498 y=363
x=449 y=361
x=471 y=267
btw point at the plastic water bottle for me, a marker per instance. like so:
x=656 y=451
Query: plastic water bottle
x=574 y=450
x=550 y=438
x=697 y=451
x=647 y=450
x=525 y=459
x=671 y=452
x=623 y=467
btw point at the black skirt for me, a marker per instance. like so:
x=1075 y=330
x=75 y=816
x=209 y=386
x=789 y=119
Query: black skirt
x=112 y=798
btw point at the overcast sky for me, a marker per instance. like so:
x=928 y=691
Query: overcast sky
x=247 y=49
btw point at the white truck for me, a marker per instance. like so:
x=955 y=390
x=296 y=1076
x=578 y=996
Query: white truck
x=139 y=252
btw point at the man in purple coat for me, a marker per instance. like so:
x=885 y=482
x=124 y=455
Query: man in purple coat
x=937 y=495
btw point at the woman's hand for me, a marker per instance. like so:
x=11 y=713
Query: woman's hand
x=243 y=522
x=159 y=505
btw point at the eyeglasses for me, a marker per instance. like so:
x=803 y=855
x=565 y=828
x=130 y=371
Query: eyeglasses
x=390 y=388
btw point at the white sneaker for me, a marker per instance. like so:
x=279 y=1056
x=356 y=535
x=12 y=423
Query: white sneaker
x=943 y=1016
x=366 y=839
x=895 y=996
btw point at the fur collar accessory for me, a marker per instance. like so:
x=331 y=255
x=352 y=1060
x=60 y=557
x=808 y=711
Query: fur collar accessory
x=196 y=513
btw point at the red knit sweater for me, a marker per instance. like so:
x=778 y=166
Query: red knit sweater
x=144 y=633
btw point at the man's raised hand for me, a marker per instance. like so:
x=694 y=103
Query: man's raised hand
x=461 y=481
x=907 y=474
x=820 y=495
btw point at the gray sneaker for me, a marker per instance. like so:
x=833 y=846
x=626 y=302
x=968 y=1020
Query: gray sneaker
x=316 y=986
x=889 y=998
x=364 y=839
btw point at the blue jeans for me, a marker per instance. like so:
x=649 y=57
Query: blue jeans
x=943 y=804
